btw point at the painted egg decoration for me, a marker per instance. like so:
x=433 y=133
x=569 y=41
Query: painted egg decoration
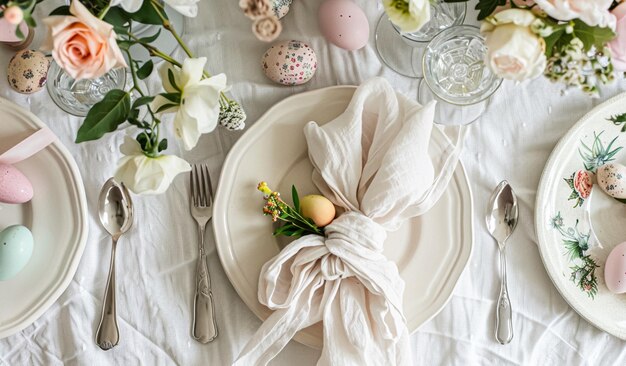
x=612 y=180
x=28 y=71
x=14 y=186
x=344 y=24
x=281 y=7
x=615 y=269
x=16 y=248
x=290 y=63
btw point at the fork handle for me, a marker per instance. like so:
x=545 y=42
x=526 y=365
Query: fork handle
x=204 y=328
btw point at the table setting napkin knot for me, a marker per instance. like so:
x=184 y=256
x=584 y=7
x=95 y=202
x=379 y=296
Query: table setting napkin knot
x=373 y=163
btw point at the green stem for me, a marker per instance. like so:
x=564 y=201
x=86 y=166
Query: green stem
x=167 y=25
x=104 y=11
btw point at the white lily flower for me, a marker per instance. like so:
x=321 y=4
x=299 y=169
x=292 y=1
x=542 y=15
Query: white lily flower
x=408 y=15
x=130 y=6
x=199 y=107
x=145 y=175
x=187 y=8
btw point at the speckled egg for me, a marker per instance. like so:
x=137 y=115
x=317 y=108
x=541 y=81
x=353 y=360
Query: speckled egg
x=290 y=63
x=615 y=270
x=281 y=7
x=344 y=24
x=16 y=248
x=14 y=186
x=612 y=180
x=28 y=71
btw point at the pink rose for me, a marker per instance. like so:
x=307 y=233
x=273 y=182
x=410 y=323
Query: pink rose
x=592 y=12
x=618 y=45
x=583 y=182
x=83 y=45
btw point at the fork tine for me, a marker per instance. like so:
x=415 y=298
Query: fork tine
x=195 y=186
x=209 y=186
x=192 y=186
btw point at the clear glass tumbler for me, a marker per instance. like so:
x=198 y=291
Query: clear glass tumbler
x=456 y=76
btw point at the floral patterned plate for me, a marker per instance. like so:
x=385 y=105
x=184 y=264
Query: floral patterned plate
x=577 y=224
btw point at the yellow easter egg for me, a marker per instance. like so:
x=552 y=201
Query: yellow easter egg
x=318 y=208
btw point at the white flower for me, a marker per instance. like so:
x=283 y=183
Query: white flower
x=199 y=107
x=409 y=15
x=514 y=51
x=130 y=6
x=187 y=8
x=592 y=12
x=146 y=175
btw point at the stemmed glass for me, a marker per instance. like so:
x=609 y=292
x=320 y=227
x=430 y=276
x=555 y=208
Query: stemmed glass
x=402 y=52
x=456 y=76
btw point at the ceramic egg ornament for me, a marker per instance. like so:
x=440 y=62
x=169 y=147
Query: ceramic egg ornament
x=14 y=186
x=16 y=248
x=290 y=63
x=344 y=24
x=615 y=269
x=28 y=71
x=612 y=180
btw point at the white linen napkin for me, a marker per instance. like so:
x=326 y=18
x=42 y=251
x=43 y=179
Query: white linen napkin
x=373 y=162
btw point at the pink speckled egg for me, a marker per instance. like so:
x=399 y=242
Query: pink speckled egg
x=290 y=63
x=344 y=24
x=14 y=186
x=615 y=269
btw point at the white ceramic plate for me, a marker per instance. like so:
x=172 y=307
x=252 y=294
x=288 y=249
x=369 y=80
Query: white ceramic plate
x=431 y=251
x=576 y=229
x=57 y=217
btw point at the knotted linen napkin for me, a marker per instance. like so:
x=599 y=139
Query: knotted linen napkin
x=373 y=162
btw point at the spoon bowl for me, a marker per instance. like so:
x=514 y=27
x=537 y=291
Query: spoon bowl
x=115 y=209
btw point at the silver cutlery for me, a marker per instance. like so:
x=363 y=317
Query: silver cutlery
x=204 y=327
x=115 y=209
x=502 y=215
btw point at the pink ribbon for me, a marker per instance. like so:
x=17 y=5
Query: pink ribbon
x=28 y=147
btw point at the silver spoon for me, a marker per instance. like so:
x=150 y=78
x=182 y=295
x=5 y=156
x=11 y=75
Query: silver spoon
x=116 y=214
x=502 y=215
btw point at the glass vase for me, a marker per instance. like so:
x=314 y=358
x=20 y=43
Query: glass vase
x=76 y=97
x=402 y=52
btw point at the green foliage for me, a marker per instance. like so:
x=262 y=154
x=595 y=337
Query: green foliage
x=487 y=7
x=105 y=116
x=619 y=120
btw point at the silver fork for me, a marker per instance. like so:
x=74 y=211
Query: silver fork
x=204 y=327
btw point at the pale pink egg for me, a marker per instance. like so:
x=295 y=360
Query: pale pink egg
x=344 y=24
x=14 y=186
x=615 y=269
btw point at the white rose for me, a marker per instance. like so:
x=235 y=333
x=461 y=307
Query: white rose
x=199 y=107
x=409 y=15
x=146 y=175
x=592 y=12
x=514 y=51
x=130 y=6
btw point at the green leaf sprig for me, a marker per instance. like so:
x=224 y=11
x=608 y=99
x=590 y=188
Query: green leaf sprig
x=295 y=225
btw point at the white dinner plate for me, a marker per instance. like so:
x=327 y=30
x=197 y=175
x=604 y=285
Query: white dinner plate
x=431 y=251
x=577 y=227
x=57 y=217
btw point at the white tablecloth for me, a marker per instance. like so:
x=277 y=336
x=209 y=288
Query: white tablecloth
x=156 y=260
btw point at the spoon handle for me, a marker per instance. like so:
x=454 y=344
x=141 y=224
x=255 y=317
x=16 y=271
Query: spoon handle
x=204 y=327
x=504 y=316
x=108 y=335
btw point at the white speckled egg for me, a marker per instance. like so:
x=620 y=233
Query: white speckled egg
x=615 y=270
x=344 y=24
x=281 y=7
x=290 y=63
x=28 y=71
x=612 y=180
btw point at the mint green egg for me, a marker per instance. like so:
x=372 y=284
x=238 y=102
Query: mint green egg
x=16 y=248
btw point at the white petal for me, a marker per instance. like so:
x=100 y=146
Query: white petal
x=193 y=68
x=185 y=7
x=186 y=129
